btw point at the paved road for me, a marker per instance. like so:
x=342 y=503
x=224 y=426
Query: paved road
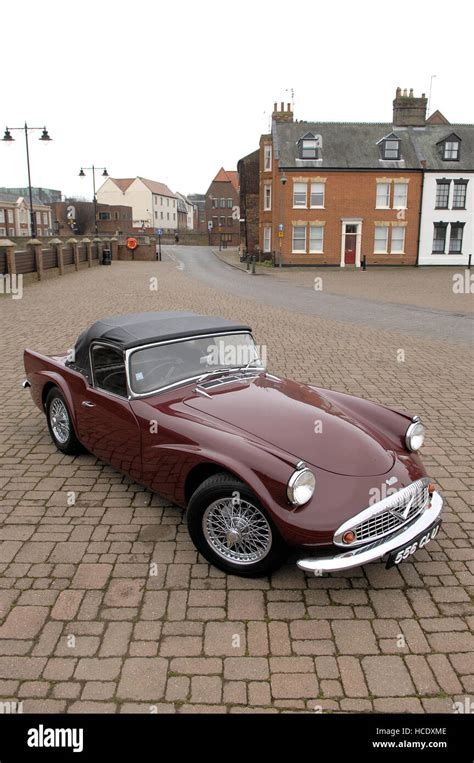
x=200 y=263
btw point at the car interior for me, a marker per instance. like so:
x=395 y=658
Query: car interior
x=109 y=370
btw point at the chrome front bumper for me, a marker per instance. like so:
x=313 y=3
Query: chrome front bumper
x=377 y=550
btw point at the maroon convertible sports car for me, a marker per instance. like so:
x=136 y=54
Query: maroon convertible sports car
x=182 y=404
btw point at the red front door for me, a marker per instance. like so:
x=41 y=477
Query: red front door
x=350 y=245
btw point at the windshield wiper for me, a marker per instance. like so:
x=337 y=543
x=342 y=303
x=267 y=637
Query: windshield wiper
x=216 y=371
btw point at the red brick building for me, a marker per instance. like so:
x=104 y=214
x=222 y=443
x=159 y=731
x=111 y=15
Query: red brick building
x=222 y=208
x=77 y=217
x=334 y=193
x=249 y=179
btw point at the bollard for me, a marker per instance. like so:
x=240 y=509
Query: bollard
x=364 y=262
x=247 y=261
x=253 y=264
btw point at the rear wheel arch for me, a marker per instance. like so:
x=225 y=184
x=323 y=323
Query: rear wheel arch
x=46 y=390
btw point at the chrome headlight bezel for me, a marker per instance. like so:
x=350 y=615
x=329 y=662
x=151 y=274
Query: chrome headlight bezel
x=293 y=484
x=416 y=429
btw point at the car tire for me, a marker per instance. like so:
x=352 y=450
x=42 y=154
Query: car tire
x=60 y=425
x=232 y=530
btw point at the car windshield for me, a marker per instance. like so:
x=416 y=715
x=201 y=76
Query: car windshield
x=153 y=368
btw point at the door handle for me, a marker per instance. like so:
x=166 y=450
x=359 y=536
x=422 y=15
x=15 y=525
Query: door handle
x=87 y=404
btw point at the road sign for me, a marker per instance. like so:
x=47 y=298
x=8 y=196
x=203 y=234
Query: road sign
x=159 y=231
x=281 y=227
x=281 y=234
x=210 y=225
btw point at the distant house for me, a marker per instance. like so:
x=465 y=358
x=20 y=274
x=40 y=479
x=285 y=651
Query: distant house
x=249 y=175
x=223 y=208
x=447 y=209
x=154 y=205
x=15 y=216
x=394 y=193
x=77 y=218
x=199 y=202
x=186 y=212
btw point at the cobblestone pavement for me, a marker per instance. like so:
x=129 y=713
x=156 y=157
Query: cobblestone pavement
x=367 y=640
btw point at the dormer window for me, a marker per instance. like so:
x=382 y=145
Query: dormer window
x=308 y=146
x=450 y=148
x=390 y=148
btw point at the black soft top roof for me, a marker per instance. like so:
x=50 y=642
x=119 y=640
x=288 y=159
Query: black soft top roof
x=137 y=329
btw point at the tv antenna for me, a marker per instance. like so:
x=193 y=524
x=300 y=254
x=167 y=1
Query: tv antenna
x=291 y=90
x=433 y=76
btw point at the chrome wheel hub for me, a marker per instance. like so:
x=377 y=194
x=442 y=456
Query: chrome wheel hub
x=237 y=531
x=59 y=420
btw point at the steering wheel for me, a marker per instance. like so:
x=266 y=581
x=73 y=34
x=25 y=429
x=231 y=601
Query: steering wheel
x=170 y=361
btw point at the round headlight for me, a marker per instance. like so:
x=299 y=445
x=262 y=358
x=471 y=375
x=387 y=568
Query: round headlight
x=301 y=487
x=415 y=436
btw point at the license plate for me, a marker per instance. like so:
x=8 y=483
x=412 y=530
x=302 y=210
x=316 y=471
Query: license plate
x=403 y=553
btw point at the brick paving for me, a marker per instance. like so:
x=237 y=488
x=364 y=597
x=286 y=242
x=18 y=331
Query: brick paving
x=84 y=627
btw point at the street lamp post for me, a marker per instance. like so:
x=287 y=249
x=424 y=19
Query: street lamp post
x=281 y=232
x=105 y=174
x=8 y=138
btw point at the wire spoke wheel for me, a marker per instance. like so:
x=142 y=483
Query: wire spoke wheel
x=237 y=531
x=59 y=419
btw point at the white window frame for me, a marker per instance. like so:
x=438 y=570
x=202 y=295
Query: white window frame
x=267 y=197
x=377 y=228
x=397 y=185
x=267 y=157
x=386 y=196
x=311 y=249
x=451 y=238
x=2 y=216
x=301 y=185
x=313 y=193
x=299 y=251
x=3 y=232
x=450 y=147
x=267 y=239
x=402 y=243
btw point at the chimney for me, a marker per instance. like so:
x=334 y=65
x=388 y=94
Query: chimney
x=409 y=111
x=282 y=115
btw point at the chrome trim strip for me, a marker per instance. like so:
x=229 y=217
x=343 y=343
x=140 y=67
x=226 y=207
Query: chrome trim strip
x=183 y=382
x=386 y=504
x=377 y=550
x=202 y=392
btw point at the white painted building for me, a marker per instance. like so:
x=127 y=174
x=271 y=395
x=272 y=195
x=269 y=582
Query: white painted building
x=154 y=205
x=446 y=153
x=447 y=218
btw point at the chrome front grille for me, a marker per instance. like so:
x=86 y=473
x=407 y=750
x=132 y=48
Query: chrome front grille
x=387 y=515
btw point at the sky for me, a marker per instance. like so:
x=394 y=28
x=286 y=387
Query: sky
x=172 y=91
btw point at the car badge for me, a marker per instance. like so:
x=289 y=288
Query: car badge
x=391 y=481
x=402 y=514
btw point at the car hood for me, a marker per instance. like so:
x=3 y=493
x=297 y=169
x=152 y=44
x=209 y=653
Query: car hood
x=299 y=420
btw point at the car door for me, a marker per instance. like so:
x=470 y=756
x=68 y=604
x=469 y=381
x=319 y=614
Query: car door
x=106 y=424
